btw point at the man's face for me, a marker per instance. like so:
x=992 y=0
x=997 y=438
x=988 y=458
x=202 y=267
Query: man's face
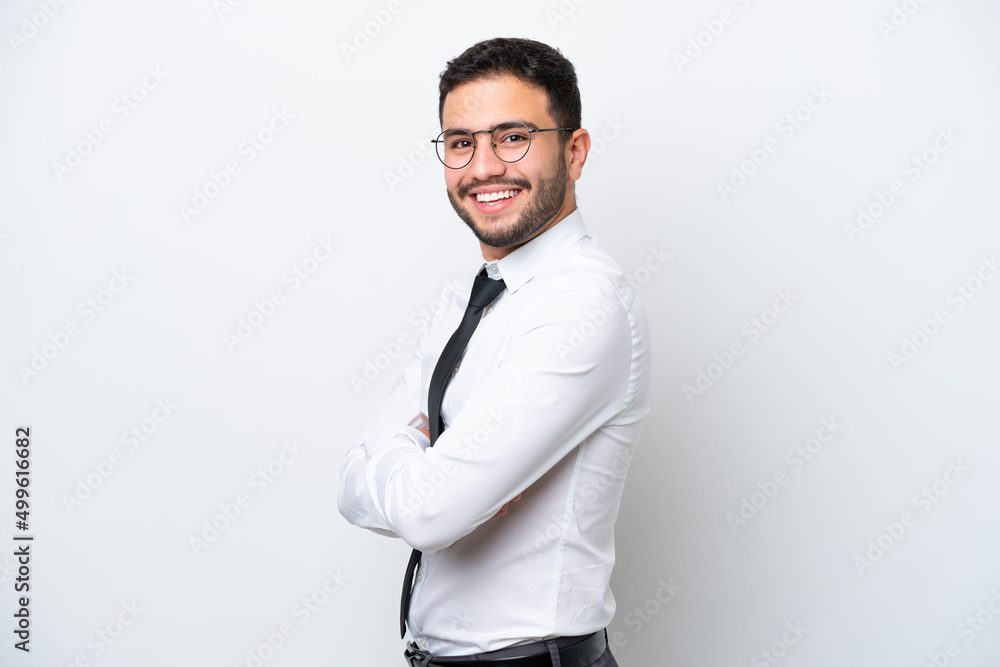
x=535 y=189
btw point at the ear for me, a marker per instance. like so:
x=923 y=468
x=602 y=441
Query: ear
x=577 y=149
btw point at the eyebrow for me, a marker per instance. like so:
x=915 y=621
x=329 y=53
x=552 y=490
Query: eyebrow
x=531 y=126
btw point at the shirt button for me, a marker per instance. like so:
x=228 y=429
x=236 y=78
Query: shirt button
x=423 y=643
x=493 y=268
x=420 y=577
x=455 y=369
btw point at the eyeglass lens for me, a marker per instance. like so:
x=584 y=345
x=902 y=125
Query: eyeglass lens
x=510 y=142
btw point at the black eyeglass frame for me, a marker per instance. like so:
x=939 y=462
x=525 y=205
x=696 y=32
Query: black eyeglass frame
x=475 y=144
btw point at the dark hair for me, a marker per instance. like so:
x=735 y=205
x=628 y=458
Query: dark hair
x=533 y=62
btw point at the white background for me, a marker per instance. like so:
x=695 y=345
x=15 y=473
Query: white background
x=350 y=167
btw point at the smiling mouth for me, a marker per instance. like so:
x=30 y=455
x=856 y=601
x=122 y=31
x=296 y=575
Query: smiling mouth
x=488 y=197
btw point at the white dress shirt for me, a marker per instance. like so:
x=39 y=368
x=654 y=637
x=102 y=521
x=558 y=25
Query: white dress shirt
x=547 y=402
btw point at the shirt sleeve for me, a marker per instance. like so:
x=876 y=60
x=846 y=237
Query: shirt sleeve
x=556 y=383
x=400 y=412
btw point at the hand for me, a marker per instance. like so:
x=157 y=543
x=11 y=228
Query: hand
x=421 y=424
x=503 y=510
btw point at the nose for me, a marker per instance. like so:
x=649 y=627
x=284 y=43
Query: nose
x=485 y=163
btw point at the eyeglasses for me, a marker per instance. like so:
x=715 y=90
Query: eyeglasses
x=510 y=142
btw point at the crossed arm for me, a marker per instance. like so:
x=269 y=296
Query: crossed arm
x=506 y=506
x=522 y=419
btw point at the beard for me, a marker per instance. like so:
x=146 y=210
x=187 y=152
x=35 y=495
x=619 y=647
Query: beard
x=547 y=201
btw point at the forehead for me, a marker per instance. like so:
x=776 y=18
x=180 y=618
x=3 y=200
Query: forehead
x=482 y=104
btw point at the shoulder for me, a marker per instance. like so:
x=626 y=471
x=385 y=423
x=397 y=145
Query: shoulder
x=584 y=278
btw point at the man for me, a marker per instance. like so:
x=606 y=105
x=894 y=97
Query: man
x=504 y=469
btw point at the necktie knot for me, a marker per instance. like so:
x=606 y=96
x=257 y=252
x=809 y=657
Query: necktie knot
x=485 y=290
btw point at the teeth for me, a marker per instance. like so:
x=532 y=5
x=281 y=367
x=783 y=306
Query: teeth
x=493 y=196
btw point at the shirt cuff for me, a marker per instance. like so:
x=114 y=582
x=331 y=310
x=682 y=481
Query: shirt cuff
x=382 y=437
x=387 y=449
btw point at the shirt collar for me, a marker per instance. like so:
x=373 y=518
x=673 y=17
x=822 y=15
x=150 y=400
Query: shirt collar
x=525 y=262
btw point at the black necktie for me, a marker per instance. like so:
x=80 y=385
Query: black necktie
x=484 y=291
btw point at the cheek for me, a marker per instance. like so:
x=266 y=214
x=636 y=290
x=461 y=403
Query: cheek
x=452 y=179
x=530 y=167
